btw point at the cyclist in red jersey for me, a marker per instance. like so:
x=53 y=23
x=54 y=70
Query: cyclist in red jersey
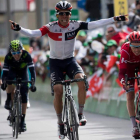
x=130 y=59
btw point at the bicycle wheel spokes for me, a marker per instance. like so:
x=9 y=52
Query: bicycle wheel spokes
x=73 y=122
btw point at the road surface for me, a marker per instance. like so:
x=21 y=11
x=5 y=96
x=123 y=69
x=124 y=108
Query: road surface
x=42 y=125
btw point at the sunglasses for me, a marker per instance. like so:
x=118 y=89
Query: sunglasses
x=64 y=13
x=134 y=46
x=110 y=31
x=14 y=53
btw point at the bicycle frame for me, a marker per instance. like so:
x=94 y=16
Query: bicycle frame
x=68 y=96
x=17 y=107
x=70 y=115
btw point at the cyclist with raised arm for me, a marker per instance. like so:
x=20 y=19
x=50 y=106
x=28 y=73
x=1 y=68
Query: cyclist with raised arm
x=62 y=35
x=15 y=64
x=130 y=59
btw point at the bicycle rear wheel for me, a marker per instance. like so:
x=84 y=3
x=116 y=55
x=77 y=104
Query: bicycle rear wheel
x=74 y=121
x=18 y=116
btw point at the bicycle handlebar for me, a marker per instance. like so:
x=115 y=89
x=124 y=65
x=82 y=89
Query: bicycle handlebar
x=69 y=81
x=19 y=81
x=64 y=82
x=130 y=78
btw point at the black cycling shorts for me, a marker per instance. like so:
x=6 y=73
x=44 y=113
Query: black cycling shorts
x=69 y=65
x=24 y=76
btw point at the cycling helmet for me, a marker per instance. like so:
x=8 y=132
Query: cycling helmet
x=63 y=5
x=15 y=46
x=134 y=37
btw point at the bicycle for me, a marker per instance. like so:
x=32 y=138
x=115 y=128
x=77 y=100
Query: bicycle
x=16 y=111
x=137 y=109
x=69 y=114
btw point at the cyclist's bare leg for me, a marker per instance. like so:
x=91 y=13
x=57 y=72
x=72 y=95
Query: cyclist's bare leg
x=131 y=107
x=24 y=107
x=81 y=99
x=131 y=111
x=130 y=103
x=9 y=90
x=58 y=104
x=81 y=90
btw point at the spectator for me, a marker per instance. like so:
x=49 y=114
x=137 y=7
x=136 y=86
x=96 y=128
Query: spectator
x=113 y=34
x=111 y=47
x=134 y=17
x=82 y=36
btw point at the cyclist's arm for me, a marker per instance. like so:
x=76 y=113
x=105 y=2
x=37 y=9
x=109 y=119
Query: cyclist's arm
x=5 y=69
x=95 y=24
x=35 y=33
x=31 y=33
x=123 y=65
x=31 y=67
x=100 y=23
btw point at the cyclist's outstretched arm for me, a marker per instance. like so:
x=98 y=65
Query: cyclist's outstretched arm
x=102 y=22
x=27 y=32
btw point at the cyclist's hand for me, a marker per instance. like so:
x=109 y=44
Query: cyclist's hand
x=121 y=18
x=33 y=88
x=15 y=26
x=126 y=86
x=3 y=87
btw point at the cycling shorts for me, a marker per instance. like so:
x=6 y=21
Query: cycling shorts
x=24 y=76
x=58 y=67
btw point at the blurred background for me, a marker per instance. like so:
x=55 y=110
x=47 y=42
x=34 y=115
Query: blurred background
x=97 y=51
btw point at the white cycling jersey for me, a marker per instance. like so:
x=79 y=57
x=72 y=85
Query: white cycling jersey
x=62 y=39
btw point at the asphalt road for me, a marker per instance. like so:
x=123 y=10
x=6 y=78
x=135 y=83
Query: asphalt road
x=42 y=125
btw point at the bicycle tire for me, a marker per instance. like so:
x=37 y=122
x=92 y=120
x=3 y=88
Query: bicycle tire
x=74 y=122
x=18 y=116
x=138 y=112
x=13 y=120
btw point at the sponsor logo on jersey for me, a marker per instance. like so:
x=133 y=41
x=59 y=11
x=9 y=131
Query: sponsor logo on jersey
x=70 y=35
x=123 y=61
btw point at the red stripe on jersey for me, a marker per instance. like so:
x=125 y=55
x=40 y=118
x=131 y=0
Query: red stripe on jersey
x=44 y=30
x=55 y=36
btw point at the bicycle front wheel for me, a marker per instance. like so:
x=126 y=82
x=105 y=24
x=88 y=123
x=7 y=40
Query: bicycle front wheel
x=74 y=121
x=13 y=120
x=18 y=116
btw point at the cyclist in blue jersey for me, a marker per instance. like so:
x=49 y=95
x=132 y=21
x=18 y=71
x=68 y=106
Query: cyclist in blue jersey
x=16 y=62
x=62 y=35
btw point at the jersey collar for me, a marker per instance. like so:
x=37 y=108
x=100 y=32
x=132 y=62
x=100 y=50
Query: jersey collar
x=63 y=26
